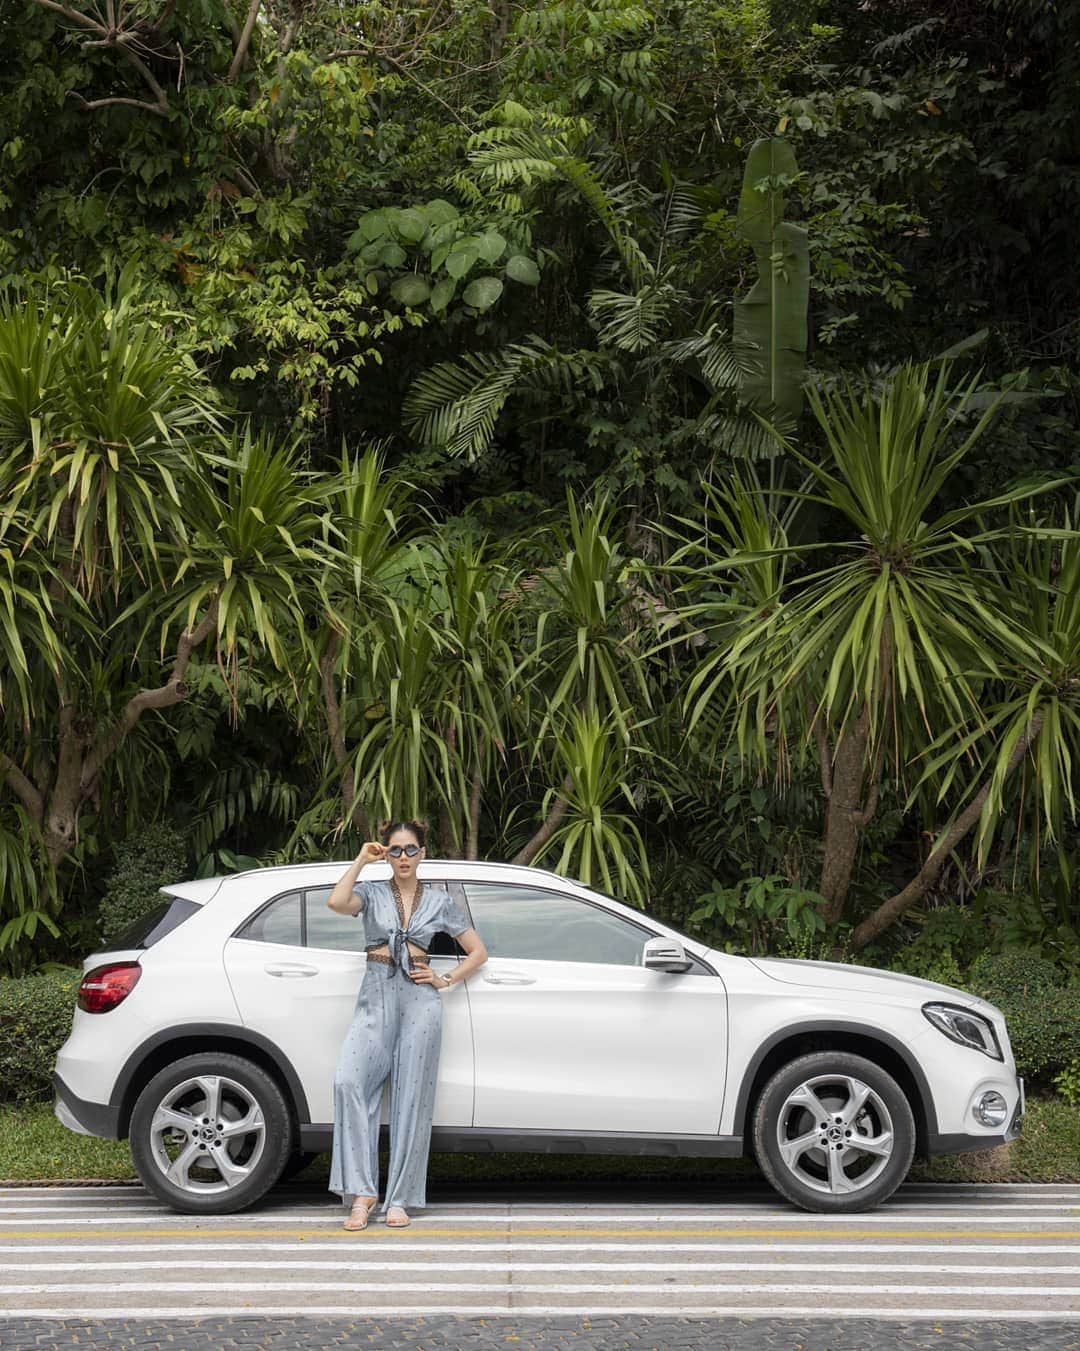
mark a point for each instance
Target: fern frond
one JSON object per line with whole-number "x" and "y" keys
{"x": 523, "y": 154}
{"x": 720, "y": 363}
{"x": 457, "y": 404}
{"x": 687, "y": 206}
{"x": 632, "y": 323}
{"x": 736, "y": 435}
{"x": 893, "y": 43}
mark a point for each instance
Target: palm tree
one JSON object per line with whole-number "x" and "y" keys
{"x": 866, "y": 659}
{"x": 1025, "y": 743}
{"x": 136, "y": 536}
{"x": 585, "y": 698}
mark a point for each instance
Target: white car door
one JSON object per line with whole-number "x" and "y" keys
{"x": 295, "y": 969}
{"x": 571, "y": 1032}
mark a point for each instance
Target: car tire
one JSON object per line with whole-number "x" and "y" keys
{"x": 834, "y": 1133}
{"x": 296, "y": 1163}
{"x": 210, "y": 1134}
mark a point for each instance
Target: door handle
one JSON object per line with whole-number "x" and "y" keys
{"x": 509, "y": 980}
{"x": 290, "y": 969}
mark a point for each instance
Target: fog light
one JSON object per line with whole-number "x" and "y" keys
{"x": 991, "y": 1110}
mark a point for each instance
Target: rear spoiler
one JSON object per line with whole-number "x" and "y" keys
{"x": 200, "y": 891}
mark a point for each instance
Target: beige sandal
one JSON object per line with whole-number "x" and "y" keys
{"x": 397, "y": 1224}
{"x": 359, "y": 1214}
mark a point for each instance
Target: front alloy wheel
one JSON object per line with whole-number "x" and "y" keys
{"x": 834, "y": 1133}
{"x": 210, "y": 1134}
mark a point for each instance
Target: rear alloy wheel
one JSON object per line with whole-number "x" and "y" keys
{"x": 834, "y": 1133}
{"x": 210, "y": 1134}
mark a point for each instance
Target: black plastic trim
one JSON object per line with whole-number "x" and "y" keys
{"x": 491, "y": 1140}
{"x": 182, "y": 1031}
{"x": 856, "y": 1029}
{"x": 962, "y": 1143}
{"x": 100, "y": 1119}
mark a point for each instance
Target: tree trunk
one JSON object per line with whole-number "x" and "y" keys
{"x": 549, "y": 825}
{"x": 80, "y": 757}
{"x": 448, "y": 841}
{"x": 842, "y": 820}
{"x": 472, "y": 846}
{"x": 240, "y": 55}
{"x": 890, "y": 911}
{"x": 337, "y": 738}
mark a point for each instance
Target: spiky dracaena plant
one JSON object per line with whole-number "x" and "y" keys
{"x": 866, "y": 659}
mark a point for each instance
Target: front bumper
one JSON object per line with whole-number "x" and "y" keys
{"x": 964, "y": 1143}
{"x": 82, "y": 1117}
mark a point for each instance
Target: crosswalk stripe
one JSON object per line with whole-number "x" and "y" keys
{"x": 816, "y": 1311}
{"x": 331, "y": 1215}
{"x": 137, "y": 1213}
{"x": 343, "y": 1286}
{"x": 1003, "y": 1189}
{"x": 82, "y": 1232}
{"x": 379, "y": 1263}
{"x": 377, "y": 1244}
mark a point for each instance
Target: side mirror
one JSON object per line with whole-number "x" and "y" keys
{"x": 665, "y": 954}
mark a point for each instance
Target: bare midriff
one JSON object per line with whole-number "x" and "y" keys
{"x": 381, "y": 953}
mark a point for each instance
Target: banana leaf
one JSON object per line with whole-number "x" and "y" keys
{"x": 770, "y": 322}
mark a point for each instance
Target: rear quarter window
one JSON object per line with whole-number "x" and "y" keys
{"x": 156, "y": 924}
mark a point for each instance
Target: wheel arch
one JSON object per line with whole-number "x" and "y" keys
{"x": 165, "y": 1048}
{"x": 871, "y": 1043}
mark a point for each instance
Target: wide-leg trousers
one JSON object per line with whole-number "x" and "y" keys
{"x": 396, "y": 1031}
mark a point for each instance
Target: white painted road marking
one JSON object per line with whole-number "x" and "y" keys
{"x": 121, "y": 1255}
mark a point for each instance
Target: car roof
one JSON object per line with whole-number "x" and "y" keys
{"x": 446, "y": 868}
{"x": 440, "y": 869}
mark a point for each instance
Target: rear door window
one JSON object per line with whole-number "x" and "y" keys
{"x": 279, "y": 922}
{"x": 325, "y": 928}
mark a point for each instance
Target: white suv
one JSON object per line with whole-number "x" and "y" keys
{"x": 209, "y": 1038}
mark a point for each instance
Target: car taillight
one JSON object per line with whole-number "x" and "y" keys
{"x": 106, "y": 986}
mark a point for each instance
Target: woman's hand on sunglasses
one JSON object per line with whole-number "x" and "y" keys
{"x": 372, "y": 852}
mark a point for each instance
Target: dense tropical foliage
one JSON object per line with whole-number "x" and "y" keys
{"x": 641, "y": 437}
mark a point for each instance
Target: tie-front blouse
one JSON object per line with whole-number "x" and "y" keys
{"x": 434, "y": 912}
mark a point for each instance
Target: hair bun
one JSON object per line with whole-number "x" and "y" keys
{"x": 417, "y": 826}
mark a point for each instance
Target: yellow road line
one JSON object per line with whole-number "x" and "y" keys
{"x": 422, "y": 1231}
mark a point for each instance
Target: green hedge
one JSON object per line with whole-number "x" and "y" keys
{"x": 35, "y": 1019}
{"x": 1042, "y": 1012}
{"x": 151, "y": 859}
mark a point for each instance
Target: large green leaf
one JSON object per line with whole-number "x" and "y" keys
{"x": 483, "y": 292}
{"x": 522, "y": 269}
{"x": 411, "y": 290}
{"x": 770, "y": 322}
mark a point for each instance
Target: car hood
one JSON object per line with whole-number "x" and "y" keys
{"x": 839, "y": 976}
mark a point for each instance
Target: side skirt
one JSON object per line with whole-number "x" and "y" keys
{"x": 486, "y": 1140}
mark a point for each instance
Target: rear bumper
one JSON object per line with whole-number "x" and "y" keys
{"x": 82, "y": 1117}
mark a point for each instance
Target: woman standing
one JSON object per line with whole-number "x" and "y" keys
{"x": 397, "y": 1025}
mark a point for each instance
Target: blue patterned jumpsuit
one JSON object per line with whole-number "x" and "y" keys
{"x": 397, "y": 1031}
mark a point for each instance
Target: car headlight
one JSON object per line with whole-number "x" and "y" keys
{"x": 969, "y": 1029}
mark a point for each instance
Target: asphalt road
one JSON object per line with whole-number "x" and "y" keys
{"x": 101, "y": 1264}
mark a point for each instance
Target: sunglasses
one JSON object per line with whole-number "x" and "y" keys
{"x": 409, "y": 850}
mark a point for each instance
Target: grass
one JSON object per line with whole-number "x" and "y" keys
{"x": 1048, "y": 1150}
{"x": 35, "y": 1147}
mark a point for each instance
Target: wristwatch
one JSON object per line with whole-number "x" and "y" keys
{"x": 446, "y": 981}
